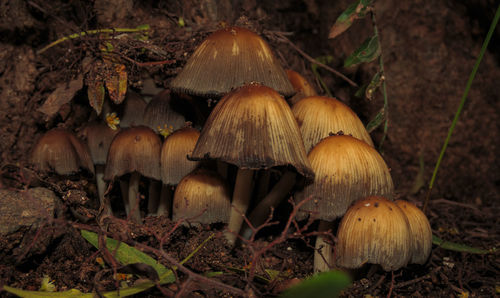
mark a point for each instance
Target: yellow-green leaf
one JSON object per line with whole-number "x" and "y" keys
{"x": 368, "y": 51}
{"x": 96, "y": 93}
{"x": 116, "y": 82}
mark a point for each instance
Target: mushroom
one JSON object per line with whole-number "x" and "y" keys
{"x": 61, "y": 151}
{"x": 99, "y": 137}
{"x": 203, "y": 197}
{"x": 162, "y": 113}
{"x": 252, "y": 128}
{"x": 229, "y": 58}
{"x": 374, "y": 230}
{"x": 129, "y": 112}
{"x": 420, "y": 230}
{"x": 174, "y": 163}
{"x": 347, "y": 170}
{"x": 134, "y": 151}
{"x": 300, "y": 85}
{"x": 319, "y": 116}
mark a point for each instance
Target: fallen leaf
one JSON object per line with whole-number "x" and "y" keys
{"x": 63, "y": 94}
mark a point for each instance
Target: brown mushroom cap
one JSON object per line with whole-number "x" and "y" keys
{"x": 160, "y": 112}
{"x": 300, "y": 85}
{"x": 174, "y": 152}
{"x": 199, "y": 191}
{"x": 99, "y": 137}
{"x": 229, "y": 58}
{"x": 61, "y": 151}
{"x": 421, "y": 232}
{"x": 347, "y": 170}
{"x": 374, "y": 230}
{"x": 130, "y": 111}
{"x": 319, "y": 116}
{"x": 253, "y": 128}
{"x": 134, "y": 149}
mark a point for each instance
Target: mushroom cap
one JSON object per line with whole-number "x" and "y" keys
{"x": 61, "y": 151}
{"x": 130, "y": 111}
{"x": 319, "y": 116}
{"x": 99, "y": 137}
{"x": 174, "y": 152}
{"x": 198, "y": 191}
{"x": 374, "y": 230}
{"x": 347, "y": 170}
{"x": 229, "y": 58}
{"x": 253, "y": 128}
{"x": 421, "y": 232}
{"x": 300, "y": 85}
{"x": 161, "y": 111}
{"x": 134, "y": 149}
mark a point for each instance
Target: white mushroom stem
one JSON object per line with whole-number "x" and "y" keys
{"x": 324, "y": 257}
{"x": 165, "y": 206}
{"x": 241, "y": 199}
{"x": 133, "y": 197}
{"x": 154, "y": 196}
{"x": 101, "y": 188}
{"x": 263, "y": 210}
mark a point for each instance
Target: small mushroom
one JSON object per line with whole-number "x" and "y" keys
{"x": 230, "y": 58}
{"x": 203, "y": 197}
{"x": 174, "y": 163}
{"x": 61, "y": 151}
{"x": 162, "y": 113}
{"x": 374, "y": 230}
{"x": 134, "y": 151}
{"x": 300, "y": 85}
{"x": 99, "y": 137}
{"x": 420, "y": 230}
{"x": 320, "y": 116}
{"x": 130, "y": 111}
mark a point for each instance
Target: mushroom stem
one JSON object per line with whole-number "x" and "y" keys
{"x": 262, "y": 211}
{"x": 241, "y": 199}
{"x": 133, "y": 197}
{"x": 154, "y": 196}
{"x": 222, "y": 169}
{"x": 165, "y": 206}
{"x": 324, "y": 257}
{"x": 101, "y": 188}
{"x": 124, "y": 191}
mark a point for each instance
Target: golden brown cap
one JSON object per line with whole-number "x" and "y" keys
{"x": 174, "y": 152}
{"x": 99, "y": 137}
{"x": 374, "y": 230}
{"x": 134, "y": 149}
{"x": 61, "y": 151}
{"x": 229, "y": 58}
{"x": 300, "y": 85}
{"x": 347, "y": 170}
{"x": 253, "y": 128}
{"x": 320, "y": 116}
{"x": 203, "y": 196}
{"x": 421, "y": 232}
{"x": 161, "y": 112}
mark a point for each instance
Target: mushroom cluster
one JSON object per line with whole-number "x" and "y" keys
{"x": 268, "y": 131}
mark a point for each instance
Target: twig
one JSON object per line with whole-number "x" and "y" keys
{"x": 418, "y": 279}
{"x": 283, "y": 38}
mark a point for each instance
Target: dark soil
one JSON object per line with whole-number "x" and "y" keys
{"x": 429, "y": 49}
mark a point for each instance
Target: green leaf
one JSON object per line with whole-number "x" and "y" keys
{"x": 326, "y": 284}
{"x": 367, "y": 52}
{"x": 126, "y": 254}
{"x": 356, "y": 10}
{"x": 96, "y": 93}
{"x": 375, "y": 83}
{"x": 376, "y": 121}
{"x": 459, "y": 247}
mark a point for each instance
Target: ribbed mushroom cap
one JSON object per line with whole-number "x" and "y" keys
{"x": 61, "y": 151}
{"x": 134, "y": 149}
{"x": 174, "y": 152}
{"x": 319, "y": 116}
{"x": 253, "y": 128}
{"x": 199, "y": 191}
{"x": 130, "y": 111}
{"x": 227, "y": 59}
{"x": 347, "y": 170}
{"x": 161, "y": 112}
{"x": 421, "y": 232}
{"x": 99, "y": 137}
{"x": 300, "y": 85}
{"x": 374, "y": 230}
